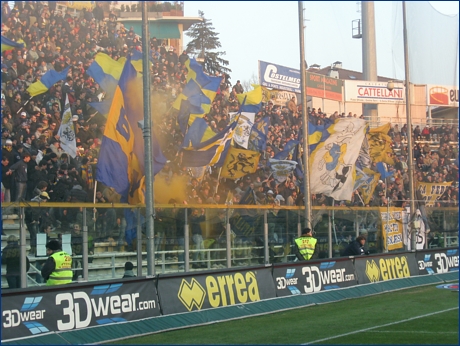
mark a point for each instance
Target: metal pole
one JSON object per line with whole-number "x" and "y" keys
{"x": 228, "y": 237}
{"x": 410, "y": 156}
{"x": 147, "y": 131}
{"x": 22, "y": 248}
{"x": 266, "y": 254}
{"x": 369, "y": 55}
{"x": 186, "y": 243}
{"x": 139, "y": 242}
{"x": 306, "y": 156}
{"x": 329, "y": 234}
{"x": 85, "y": 247}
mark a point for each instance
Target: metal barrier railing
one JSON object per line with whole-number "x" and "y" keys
{"x": 232, "y": 235}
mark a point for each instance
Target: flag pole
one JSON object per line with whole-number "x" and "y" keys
{"x": 306, "y": 157}
{"x": 147, "y": 131}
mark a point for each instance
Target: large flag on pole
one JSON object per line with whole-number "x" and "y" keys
{"x": 121, "y": 159}
{"x": 67, "y": 131}
{"x": 333, "y": 161}
{"x": 47, "y": 81}
{"x": 211, "y": 152}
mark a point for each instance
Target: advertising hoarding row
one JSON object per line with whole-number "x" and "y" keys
{"x": 33, "y": 312}
{"x": 288, "y": 79}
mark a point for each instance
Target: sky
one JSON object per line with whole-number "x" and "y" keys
{"x": 250, "y": 31}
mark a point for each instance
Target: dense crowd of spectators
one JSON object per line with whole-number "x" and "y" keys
{"x": 34, "y": 167}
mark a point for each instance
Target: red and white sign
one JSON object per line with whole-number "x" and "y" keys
{"x": 374, "y": 92}
{"x": 442, "y": 95}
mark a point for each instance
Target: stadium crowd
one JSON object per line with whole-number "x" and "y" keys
{"x": 35, "y": 168}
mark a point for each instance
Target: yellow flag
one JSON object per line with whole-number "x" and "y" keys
{"x": 380, "y": 145}
{"x": 240, "y": 162}
{"x": 253, "y": 97}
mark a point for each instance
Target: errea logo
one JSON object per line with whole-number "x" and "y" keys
{"x": 372, "y": 271}
{"x": 191, "y": 294}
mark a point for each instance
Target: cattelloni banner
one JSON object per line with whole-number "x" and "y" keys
{"x": 437, "y": 261}
{"x": 30, "y": 313}
{"x": 212, "y": 290}
{"x": 309, "y": 277}
{"x": 392, "y": 227}
{"x": 385, "y": 267}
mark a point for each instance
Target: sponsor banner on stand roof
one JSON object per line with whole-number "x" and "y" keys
{"x": 288, "y": 79}
{"x": 309, "y": 277}
{"x": 212, "y": 290}
{"x": 374, "y": 92}
{"x": 387, "y": 267}
{"x": 33, "y": 312}
{"x": 442, "y": 95}
{"x": 437, "y": 261}
{"x": 324, "y": 87}
{"x": 279, "y": 77}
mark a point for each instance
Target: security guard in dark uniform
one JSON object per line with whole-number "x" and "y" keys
{"x": 57, "y": 269}
{"x": 305, "y": 245}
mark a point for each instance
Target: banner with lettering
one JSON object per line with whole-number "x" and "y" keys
{"x": 200, "y": 291}
{"x": 374, "y": 92}
{"x": 278, "y": 97}
{"x": 324, "y": 87}
{"x": 309, "y": 277}
{"x": 392, "y": 227}
{"x": 76, "y": 306}
{"x": 431, "y": 192}
{"x": 286, "y": 78}
{"x": 442, "y": 95}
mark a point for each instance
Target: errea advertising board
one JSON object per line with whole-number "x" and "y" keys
{"x": 387, "y": 267}
{"x": 211, "y": 290}
{"x": 374, "y": 92}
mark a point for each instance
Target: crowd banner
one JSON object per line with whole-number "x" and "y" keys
{"x": 76, "y": 306}
{"x": 288, "y": 79}
{"x": 278, "y": 97}
{"x": 374, "y": 92}
{"x": 437, "y": 261}
{"x": 431, "y": 192}
{"x": 385, "y": 267}
{"x": 201, "y": 291}
{"x": 392, "y": 227}
{"x": 309, "y": 277}
{"x": 442, "y": 95}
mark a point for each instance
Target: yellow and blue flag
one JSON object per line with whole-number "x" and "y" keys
{"x": 47, "y": 81}
{"x": 211, "y": 152}
{"x": 318, "y": 133}
{"x": 258, "y": 137}
{"x": 8, "y": 44}
{"x": 208, "y": 84}
{"x": 136, "y": 60}
{"x": 288, "y": 150}
{"x": 251, "y": 101}
{"x": 199, "y": 85}
{"x": 106, "y": 72}
{"x": 121, "y": 159}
